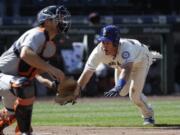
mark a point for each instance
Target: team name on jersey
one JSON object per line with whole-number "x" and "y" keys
{"x": 114, "y": 63}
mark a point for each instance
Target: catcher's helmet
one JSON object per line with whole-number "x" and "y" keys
{"x": 58, "y": 13}
{"x": 110, "y": 33}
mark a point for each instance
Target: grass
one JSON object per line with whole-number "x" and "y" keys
{"x": 105, "y": 112}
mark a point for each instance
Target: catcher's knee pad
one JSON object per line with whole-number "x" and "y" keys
{"x": 6, "y": 119}
{"x": 22, "y": 88}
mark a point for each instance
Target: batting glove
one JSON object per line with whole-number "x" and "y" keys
{"x": 115, "y": 91}
{"x": 112, "y": 93}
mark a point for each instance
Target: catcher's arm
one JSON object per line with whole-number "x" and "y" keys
{"x": 82, "y": 81}
{"x": 44, "y": 81}
{"x": 30, "y": 57}
{"x": 48, "y": 83}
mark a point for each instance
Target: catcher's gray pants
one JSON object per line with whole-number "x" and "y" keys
{"x": 8, "y": 98}
{"x": 135, "y": 84}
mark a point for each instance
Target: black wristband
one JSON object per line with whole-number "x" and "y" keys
{"x": 55, "y": 84}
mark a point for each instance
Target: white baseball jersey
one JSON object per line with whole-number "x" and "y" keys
{"x": 34, "y": 39}
{"x": 129, "y": 50}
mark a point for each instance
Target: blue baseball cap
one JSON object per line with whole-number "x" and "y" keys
{"x": 110, "y": 33}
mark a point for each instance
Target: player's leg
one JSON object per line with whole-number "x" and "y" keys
{"x": 136, "y": 95}
{"x": 116, "y": 75}
{"x": 23, "y": 105}
{"x": 7, "y": 114}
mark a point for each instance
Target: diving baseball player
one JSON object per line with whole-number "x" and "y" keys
{"x": 131, "y": 60}
{"x": 24, "y": 61}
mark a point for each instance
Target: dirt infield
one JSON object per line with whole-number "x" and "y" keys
{"x": 58, "y": 130}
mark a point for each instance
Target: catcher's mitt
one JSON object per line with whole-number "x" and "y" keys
{"x": 65, "y": 92}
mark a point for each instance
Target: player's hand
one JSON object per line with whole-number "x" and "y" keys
{"x": 112, "y": 93}
{"x": 117, "y": 88}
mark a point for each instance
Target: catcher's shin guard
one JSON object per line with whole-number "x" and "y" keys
{"x": 6, "y": 119}
{"x": 23, "y": 89}
{"x": 23, "y": 116}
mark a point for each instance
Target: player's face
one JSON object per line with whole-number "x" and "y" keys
{"x": 55, "y": 26}
{"x": 108, "y": 48}
{"x": 51, "y": 26}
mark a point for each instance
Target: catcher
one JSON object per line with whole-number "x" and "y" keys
{"x": 24, "y": 61}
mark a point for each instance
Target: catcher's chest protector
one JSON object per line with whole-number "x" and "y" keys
{"x": 47, "y": 52}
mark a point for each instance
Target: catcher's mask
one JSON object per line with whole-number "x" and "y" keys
{"x": 57, "y": 13}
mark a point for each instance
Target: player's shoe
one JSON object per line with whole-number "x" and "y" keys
{"x": 149, "y": 121}
{"x": 18, "y": 132}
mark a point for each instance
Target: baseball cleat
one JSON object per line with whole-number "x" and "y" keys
{"x": 149, "y": 121}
